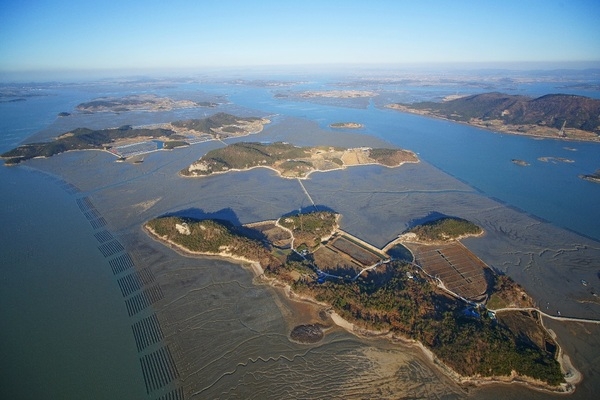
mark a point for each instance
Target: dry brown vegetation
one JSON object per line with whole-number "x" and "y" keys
{"x": 553, "y": 115}
{"x": 293, "y": 161}
{"x": 395, "y": 297}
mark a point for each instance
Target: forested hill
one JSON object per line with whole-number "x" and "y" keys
{"x": 551, "y": 110}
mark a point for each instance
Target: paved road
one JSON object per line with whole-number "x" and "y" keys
{"x": 572, "y": 319}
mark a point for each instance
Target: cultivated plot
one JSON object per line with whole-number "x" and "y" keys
{"x": 459, "y": 269}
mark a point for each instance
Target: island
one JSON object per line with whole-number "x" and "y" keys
{"x": 127, "y": 141}
{"x": 339, "y": 94}
{"x": 595, "y": 177}
{"x": 424, "y": 289}
{"x": 291, "y": 161}
{"x": 555, "y": 160}
{"x": 553, "y": 115}
{"x": 145, "y": 102}
{"x": 346, "y": 125}
{"x": 521, "y": 163}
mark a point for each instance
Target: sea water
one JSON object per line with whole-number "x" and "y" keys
{"x": 69, "y": 335}
{"x": 550, "y": 190}
{"x": 65, "y": 331}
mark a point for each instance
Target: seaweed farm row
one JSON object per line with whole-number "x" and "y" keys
{"x": 140, "y": 291}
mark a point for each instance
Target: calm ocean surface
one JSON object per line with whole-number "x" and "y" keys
{"x": 66, "y": 333}
{"x": 549, "y": 190}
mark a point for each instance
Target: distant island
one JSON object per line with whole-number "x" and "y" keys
{"x": 126, "y": 140}
{"x": 521, "y": 163}
{"x": 555, "y": 160}
{"x": 407, "y": 295}
{"x": 347, "y": 125}
{"x": 146, "y": 102}
{"x": 595, "y": 177}
{"x": 340, "y": 94}
{"x": 554, "y": 115}
{"x": 291, "y": 161}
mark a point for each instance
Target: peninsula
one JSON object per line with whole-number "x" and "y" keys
{"x": 291, "y": 161}
{"x": 553, "y": 116}
{"x": 127, "y": 140}
{"x": 391, "y": 292}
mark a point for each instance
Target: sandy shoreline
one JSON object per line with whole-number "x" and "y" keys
{"x": 531, "y": 252}
{"x": 412, "y": 238}
{"x": 304, "y": 177}
{"x": 255, "y": 266}
{"x": 573, "y": 377}
{"x": 476, "y": 381}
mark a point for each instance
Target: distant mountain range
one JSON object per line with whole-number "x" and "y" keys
{"x": 562, "y": 112}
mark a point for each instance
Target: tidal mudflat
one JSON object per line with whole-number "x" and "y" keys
{"x": 230, "y": 337}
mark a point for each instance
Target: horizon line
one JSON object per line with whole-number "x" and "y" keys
{"x": 53, "y": 74}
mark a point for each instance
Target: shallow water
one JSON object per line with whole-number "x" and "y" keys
{"x": 228, "y": 336}
{"x": 220, "y": 327}
{"x": 552, "y": 191}
{"x": 65, "y": 331}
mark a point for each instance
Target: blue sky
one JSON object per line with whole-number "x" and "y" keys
{"x": 99, "y": 35}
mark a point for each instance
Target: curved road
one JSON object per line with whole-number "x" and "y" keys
{"x": 572, "y": 319}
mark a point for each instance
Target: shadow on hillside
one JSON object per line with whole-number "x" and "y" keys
{"x": 225, "y": 214}
{"x": 432, "y": 216}
{"x": 309, "y": 209}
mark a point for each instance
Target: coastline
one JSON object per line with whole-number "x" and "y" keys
{"x": 464, "y": 381}
{"x": 304, "y": 177}
{"x": 100, "y": 178}
{"x": 256, "y": 126}
{"x": 256, "y": 267}
{"x": 500, "y": 130}
{"x": 412, "y": 238}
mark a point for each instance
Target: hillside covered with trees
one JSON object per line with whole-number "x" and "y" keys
{"x": 82, "y": 139}
{"x": 395, "y": 297}
{"x": 292, "y": 161}
{"x": 444, "y": 229}
{"x": 566, "y": 115}
{"x": 174, "y": 134}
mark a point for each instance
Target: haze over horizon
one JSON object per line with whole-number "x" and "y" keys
{"x": 66, "y": 36}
